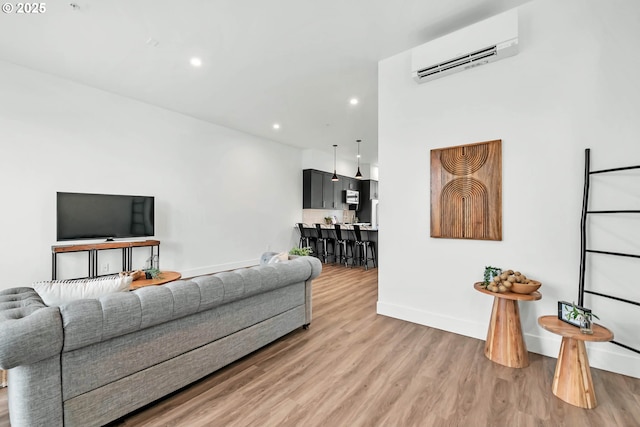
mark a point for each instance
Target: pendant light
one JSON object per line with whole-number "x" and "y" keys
{"x": 334, "y": 178}
{"x": 358, "y": 174}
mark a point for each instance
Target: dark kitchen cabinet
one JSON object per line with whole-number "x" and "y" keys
{"x": 319, "y": 192}
{"x": 312, "y": 189}
{"x": 349, "y": 183}
{"x": 338, "y": 198}
{"x": 328, "y": 190}
{"x": 369, "y": 190}
{"x": 373, "y": 189}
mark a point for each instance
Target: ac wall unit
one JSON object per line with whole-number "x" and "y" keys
{"x": 481, "y": 43}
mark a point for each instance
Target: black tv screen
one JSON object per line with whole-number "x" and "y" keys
{"x": 96, "y": 216}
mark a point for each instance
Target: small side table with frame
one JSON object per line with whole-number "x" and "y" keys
{"x": 572, "y": 379}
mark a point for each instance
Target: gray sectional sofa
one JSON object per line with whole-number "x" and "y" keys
{"x": 91, "y": 361}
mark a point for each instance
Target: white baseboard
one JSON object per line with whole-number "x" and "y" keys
{"x": 601, "y": 355}
{"x": 434, "y": 320}
{"x": 201, "y": 271}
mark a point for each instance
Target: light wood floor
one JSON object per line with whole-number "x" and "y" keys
{"x": 356, "y": 368}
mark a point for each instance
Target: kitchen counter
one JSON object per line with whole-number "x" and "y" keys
{"x": 344, "y": 226}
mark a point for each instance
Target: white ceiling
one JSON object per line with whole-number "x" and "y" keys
{"x": 294, "y": 62}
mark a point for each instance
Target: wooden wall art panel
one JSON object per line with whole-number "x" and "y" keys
{"x": 466, "y": 191}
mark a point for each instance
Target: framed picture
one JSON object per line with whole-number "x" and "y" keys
{"x": 565, "y": 308}
{"x": 466, "y": 191}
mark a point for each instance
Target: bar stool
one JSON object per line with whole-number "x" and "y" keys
{"x": 344, "y": 244}
{"x": 307, "y": 237}
{"x": 364, "y": 244}
{"x": 326, "y": 239}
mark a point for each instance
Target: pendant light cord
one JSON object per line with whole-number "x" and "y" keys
{"x": 335, "y": 175}
{"x": 358, "y": 174}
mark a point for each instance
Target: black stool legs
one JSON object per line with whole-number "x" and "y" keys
{"x": 364, "y": 246}
{"x": 325, "y": 238}
{"x": 344, "y": 244}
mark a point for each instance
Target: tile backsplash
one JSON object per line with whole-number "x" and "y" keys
{"x": 313, "y": 216}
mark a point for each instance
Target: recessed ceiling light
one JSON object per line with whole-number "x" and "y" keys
{"x": 353, "y": 101}
{"x": 196, "y": 62}
{"x": 276, "y": 126}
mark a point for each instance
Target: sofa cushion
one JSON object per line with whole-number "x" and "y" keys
{"x": 186, "y": 297}
{"x": 58, "y": 292}
{"x": 211, "y": 291}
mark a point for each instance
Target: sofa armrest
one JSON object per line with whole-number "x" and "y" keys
{"x": 316, "y": 269}
{"x": 30, "y": 331}
{"x": 314, "y": 263}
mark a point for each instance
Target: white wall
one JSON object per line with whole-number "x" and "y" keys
{"x": 573, "y": 85}
{"x": 222, "y": 196}
{"x": 323, "y": 161}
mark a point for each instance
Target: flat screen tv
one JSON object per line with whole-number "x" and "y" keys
{"x": 103, "y": 216}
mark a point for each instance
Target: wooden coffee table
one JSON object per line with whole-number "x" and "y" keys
{"x": 572, "y": 380}
{"x": 165, "y": 277}
{"x": 505, "y": 344}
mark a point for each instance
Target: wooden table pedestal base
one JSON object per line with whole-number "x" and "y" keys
{"x": 505, "y": 344}
{"x": 572, "y": 380}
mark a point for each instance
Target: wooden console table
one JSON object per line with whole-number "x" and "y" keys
{"x": 572, "y": 380}
{"x": 93, "y": 248}
{"x": 505, "y": 344}
{"x": 166, "y": 277}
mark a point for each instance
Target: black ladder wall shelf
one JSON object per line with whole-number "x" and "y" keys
{"x": 583, "y": 238}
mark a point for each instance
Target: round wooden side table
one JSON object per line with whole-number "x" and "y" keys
{"x": 572, "y": 380}
{"x": 165, "y": 277}
{"x": 505, "y": 344}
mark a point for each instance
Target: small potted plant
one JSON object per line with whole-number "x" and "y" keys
{"x": 583, "y": 317}
{"x": 301, "y": 251}
{"x": 328, "y": 220}
{"x": 490, "y": 273}
{"x": 152, "y": 273}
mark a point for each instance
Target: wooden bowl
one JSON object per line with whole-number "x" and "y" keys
{"x": 525, "y": 288}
